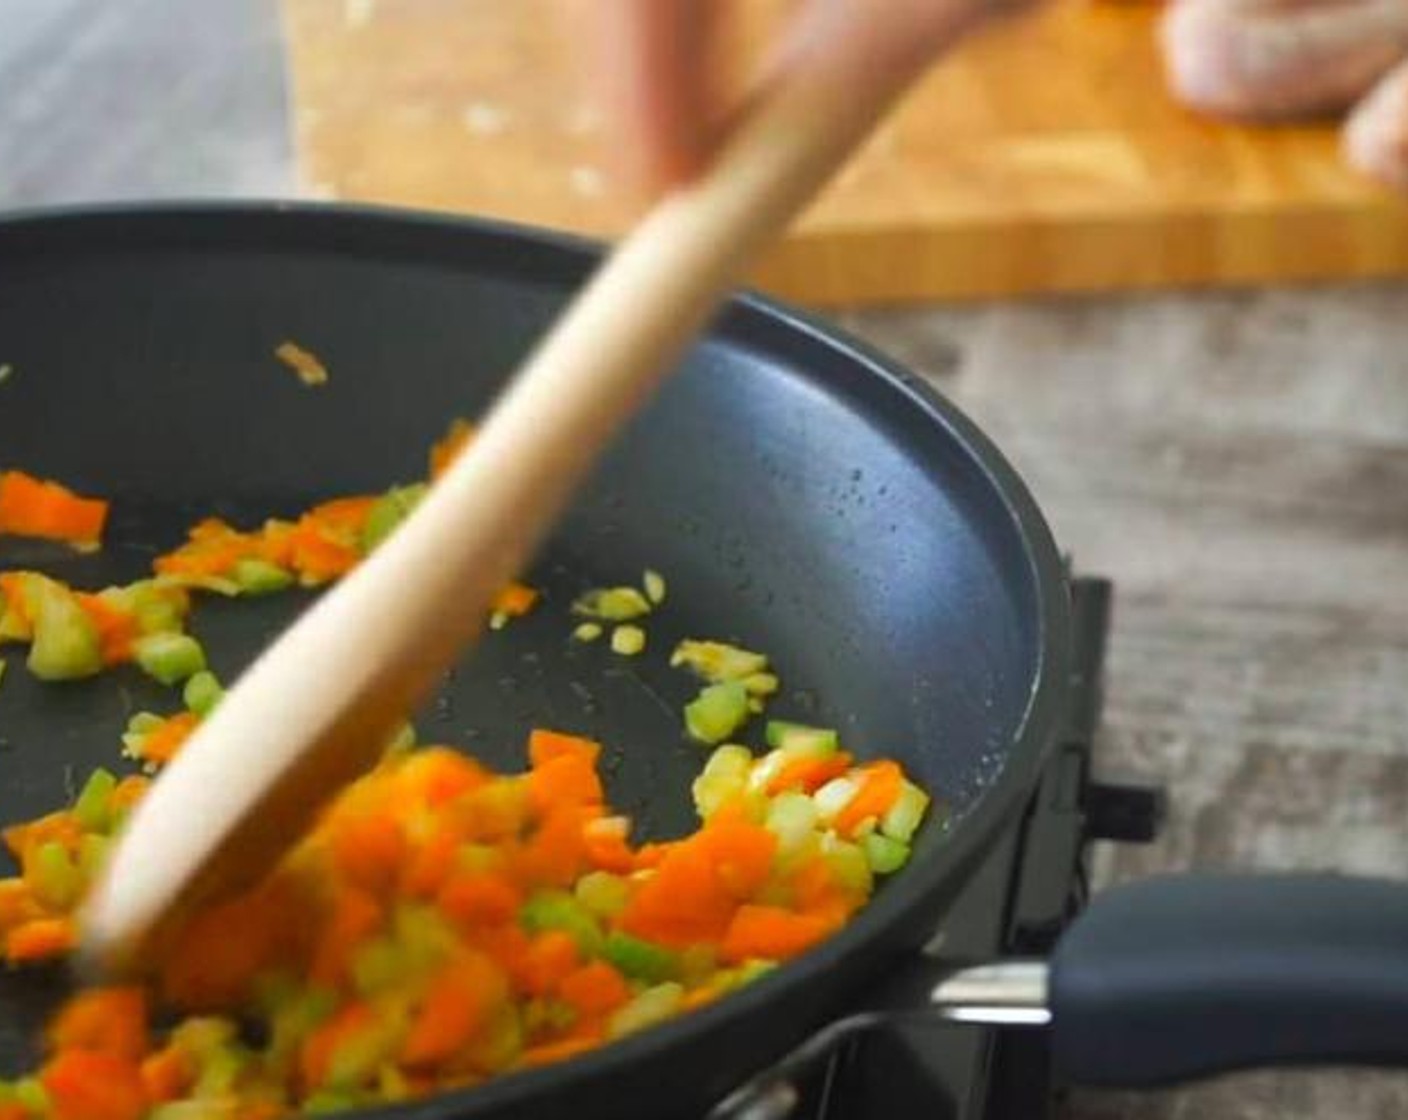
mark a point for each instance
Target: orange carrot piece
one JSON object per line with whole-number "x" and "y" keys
{"x": 17, "y": 904}
{"x": 740, "y": 852}
{"x": 40, "y": 939}
{"x": 684, "y": 903}
{"x": 546, "y": 1053}
{"x": 809, "y": 774}
{"x": 13, "y": 1110}
{"x": 129, "y": 791}
{"x": 556, "y": 854}
{"x": 457, "y": 1005}
{"x": 514, "y": 600}
{"x": 355, "y": 917}
{"x": 429, "y": 863}
{"x": 368, "y": 847}
{"x": 316, "y": 557}
{"x": 32, "y": 507}
{"x": 880, "y": 786}
{"x": 595, "y": 989}
{"x": 449, "y": 446}
{"x": 162, "y": 743}
{"x": 772, "y": 933}
{"x": 168, "y": 1074}
{"x": 108, "y": 1020}
{"x": 315, "y": 1057}
{"x": 608, "y": 848}
{"x": 544, "y": 746}
{"x": 479, "y": 899}
{"x": 89, "y": 1085}
{"x": 59, "y": 827}
{"x": 344, "y": 516}
{"x": 117, "y": 630}
{"x": 436, "y": 775}
{"x": 552, "y": 957}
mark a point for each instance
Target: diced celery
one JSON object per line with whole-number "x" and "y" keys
{"x": 884, "y": 855}
{"x": 724, "y": 776}
{"x": 16, "y": 619}
{"x": 760, "y": 685}
{"x": 424, "y": 936}
{"x": 202, "y": 692}
{"x": 297, "y": 1017}
{"x": 260, "y": 577}
{"x": 380, "y": 965}
{"x": 835, "y": 795}
{"x": 654, "y": 584}
{"x": 170, "y": 658}
{"x": 356, "y": 1059}
{"x": 640, "y": 960}
{"x": 627, "y": 640}
{"x": 327, "y": 1101}
{"x": 139, "y": 727}
{"x": 612, "y": 604}
{"x": 32, "y": 1095}
{"x": 602, "y": 894}
{"x": 848, "y": 863}
{"x": 391, "y": 1084}
{"x": 561, "y": 911}
{"x": 718, "y": 661}
{"x": 205, "y": 1035}
{"x": 587, "y": 632}
{"x": 499, "y": 1045}
{"x": 91, "y": 808}
{"x": 717, "y": 712}
{"x": 53, "y": 876}
{"x": 220, "y": 1070}
{"x": 902, "y": 819}
{"x": 652, "y": 1006}
{"x": 792, "y": 818}
{"x": 66, "y": 644}
{"x": 797, "y": 738}
{"x": 159, "y": 607}
{"x": 92, "y": 854}
{"x": 390, "y": 510}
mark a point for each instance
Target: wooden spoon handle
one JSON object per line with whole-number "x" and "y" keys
{"x": 314, "y": 711}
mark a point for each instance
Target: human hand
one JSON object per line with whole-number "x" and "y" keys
{"x": 652, "y": 66}
{"x": 1280, "y": 59}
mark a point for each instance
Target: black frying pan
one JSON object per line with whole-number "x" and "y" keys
{"x": 802, "y": 495}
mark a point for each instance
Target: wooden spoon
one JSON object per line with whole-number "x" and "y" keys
{"x": 314, "y": 711}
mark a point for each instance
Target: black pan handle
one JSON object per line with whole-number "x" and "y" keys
{"x": 1175, "y": 978}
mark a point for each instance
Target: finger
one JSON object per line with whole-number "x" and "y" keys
{"x": 652, "y": 70}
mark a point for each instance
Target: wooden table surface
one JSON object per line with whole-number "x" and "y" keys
{"x": 1237, "y": 463}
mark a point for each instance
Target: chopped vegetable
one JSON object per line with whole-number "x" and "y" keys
{"x": 304, "y": 363}
{"x": 390, "y": 510}
{"x": 627, "y": 640}
{"x": 717, "y": 712}
{"x": 587, "y": 632}
{"x": 717, "y": 661}
{"x": 612, "y": 604}
{"x": 202, "y": 692}
{"x": 654, "y": 584}
{"x": 170, "y": 658}
{"x": 32, "y": 507}
{"x": 66, "y": 644}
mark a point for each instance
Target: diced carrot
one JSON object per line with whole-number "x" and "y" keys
{"x": 457, "y": 1005}
{"x": 684, "y": 903}
{"x": 508, "y": 947}
{"x": 110, "y": 1020}
{"x": 117, "y": 630}
{"x": 31, "y": 507}
{"x": 13, "y": 1110}
{"x": 547, "y": 1053}
{"x": 40, "y": 939}
{"x": 355, "y": 917}
{"x": 608, "y": 848}
{"x": 129, "y": 791}
{"x": 650, "y": 855}
{"x": 224, "y": 948}
{"x": 556, "y": 853}
{"x": 319, "y": 1048}
{"x": 545, "y": 746}
{"x": 772, "y": 933}
{"x": 168, "y": 1074}
{"x": 346, "y": 517}
{"x": 880, "y": 786}
{"x": 448, "y": 447}
{"x": 436, "y": 775}
{"x": 515, "y": 599}
{"x": 90, "y": 1085}
{"x": 565, "y": 779}
{"x": 552, "y": 956}
{"x": 17, "y": 903}
{"x": 595, "y": 989}
{"x": 163, "y": 743}
{"x": 60, "y": 828}
{"x": 429, "y": 863}
{"x": 368, "y": 847}
{"x": 316, "y": 557}
{"x": 808, "y": 773}
{"x": 741, "y": 853}
{"x": 477, "y": 899}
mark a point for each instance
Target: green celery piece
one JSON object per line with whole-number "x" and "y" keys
{"x": 66, "y": 645}
{"x": 202, "y": 692}
{"x": 799, "y": 738}
{"x": 640, "y": 960}
{"x": 91, "y": 809}
{"x": 55, "y": 878}
{"x": 884, "y": 855}
{"x": 170, "y": 658}
{"x": 259, "y": 577}
{"x": 559, "y": 910}
{"x": 654, "y": 1005}
{"x": 717, "y": 712}
{"x": 390, "y": 510}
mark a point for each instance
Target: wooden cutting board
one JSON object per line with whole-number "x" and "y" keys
{"x": 1044, "y": 157}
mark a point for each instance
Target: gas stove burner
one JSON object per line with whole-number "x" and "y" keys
{"x": 891, "y": 1060}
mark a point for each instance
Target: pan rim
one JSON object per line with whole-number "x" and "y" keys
{"x": 353, "y": 229}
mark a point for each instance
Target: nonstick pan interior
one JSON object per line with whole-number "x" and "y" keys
{"x": 797, "y": 502}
